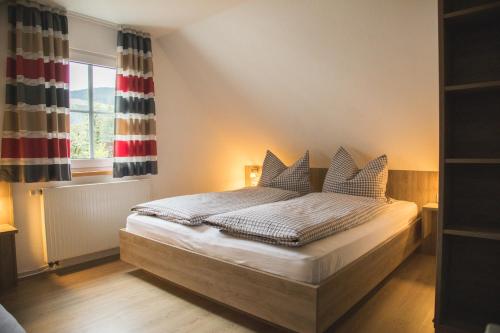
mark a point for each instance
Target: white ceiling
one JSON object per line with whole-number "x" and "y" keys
{"x": 155, "y": 16}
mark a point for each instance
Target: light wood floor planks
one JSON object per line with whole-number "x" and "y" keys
{"x": 115, "y": 297}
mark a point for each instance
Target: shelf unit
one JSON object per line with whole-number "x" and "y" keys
{"x": 488, "y": 85}
{"x": 473, "y": 13}
{"x": 468, "y": 278}
{"x": 472, "y": 161}
{"x": 484, "y": 233}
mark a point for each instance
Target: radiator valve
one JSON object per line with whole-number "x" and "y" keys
{"x": 54, "y": 264}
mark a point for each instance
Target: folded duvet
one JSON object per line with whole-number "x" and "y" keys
{"x": 299, "y": 221}
{"x": 193, "y": 209}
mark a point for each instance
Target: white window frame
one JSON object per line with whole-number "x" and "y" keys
{"x": 95, "y": 163}
{"x": 91, "y": 58}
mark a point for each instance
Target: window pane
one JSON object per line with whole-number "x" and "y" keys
{"x": 103, "y": 135}
{"x": 79, "y": 86}
{"x": 104, "y": 89}
{"x": 80, "y": 138}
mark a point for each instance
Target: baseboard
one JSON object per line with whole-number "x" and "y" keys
{"x": 33, "y": 272}
{"x": 87, "y": 258}
{"x": 77, "y": 263}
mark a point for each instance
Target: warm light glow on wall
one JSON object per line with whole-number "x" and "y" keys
{"x": 252, "y": 175}
{"x": 6, "y": 210}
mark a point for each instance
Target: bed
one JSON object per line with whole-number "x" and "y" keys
{"x": 304, "y": 289}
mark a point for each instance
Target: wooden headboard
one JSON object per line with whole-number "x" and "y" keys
{"x": 420, "y": 187}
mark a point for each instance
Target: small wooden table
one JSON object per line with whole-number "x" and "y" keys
{"x": 429, "y": 228}
{"x": 8, "y": 266}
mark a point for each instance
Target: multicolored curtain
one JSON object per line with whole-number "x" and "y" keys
{"x": 35, "y": 138}
{"x": 135, "y": 120}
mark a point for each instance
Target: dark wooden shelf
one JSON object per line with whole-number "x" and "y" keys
{"x": 457, "y": 326}
{"x": 478, "y": 86}
{"x": 474, "y": 13}
{"x": 469, "y": 224}
{"x": 472, "y": 161}
{"x": 8, "y": 266}
{"x": 484, "y": 233}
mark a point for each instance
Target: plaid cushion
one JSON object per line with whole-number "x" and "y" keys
{"x": 343, "y": 176}
{"x": 299, "y": 221}
{"x": 277, "y": 175}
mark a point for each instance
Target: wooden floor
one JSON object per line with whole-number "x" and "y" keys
{"x": 115, "y": 297}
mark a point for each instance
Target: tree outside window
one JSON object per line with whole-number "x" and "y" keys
{"x": 92, "y": 103}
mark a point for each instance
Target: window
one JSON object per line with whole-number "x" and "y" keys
{"x": 92, "y": 104}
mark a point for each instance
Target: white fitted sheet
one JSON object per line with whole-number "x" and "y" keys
{"x": 311, "y": 263}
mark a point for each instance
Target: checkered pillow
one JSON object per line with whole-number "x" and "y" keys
{"x": 343, "y": 176}
{"x": 277, "y": 175}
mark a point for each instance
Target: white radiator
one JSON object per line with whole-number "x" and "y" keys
{"x": 85, "y": 219}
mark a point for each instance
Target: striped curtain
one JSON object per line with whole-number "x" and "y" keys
{"x": 35, "y": 137}
{"x": 135, "y": 123}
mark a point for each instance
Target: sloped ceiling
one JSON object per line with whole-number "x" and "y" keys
{"x": 158, "y": 17}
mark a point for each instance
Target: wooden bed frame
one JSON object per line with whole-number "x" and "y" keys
{"x": 298, "y": 306}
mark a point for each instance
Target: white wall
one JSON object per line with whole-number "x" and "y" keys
{"x": 297, "y": 75}
{"x": 92, "y": 36}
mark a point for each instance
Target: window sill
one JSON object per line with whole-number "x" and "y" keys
{"x": 91, "y": 172}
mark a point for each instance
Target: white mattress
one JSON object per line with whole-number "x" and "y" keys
{"x": 311, "y": 263}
